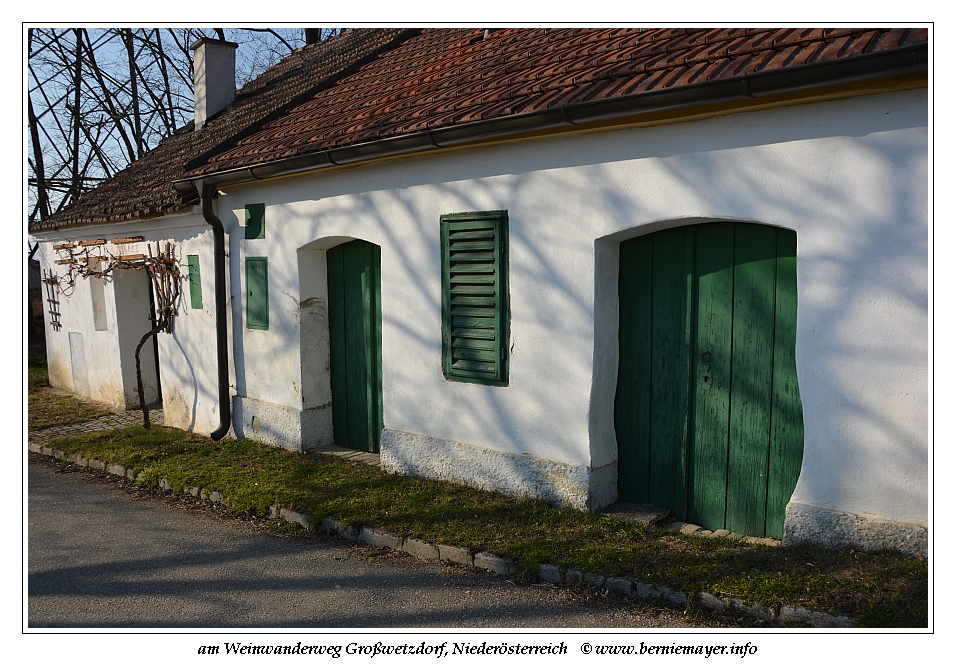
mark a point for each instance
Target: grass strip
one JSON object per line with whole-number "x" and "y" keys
{"x": 884, "y": 589}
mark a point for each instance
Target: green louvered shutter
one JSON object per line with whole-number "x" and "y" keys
{"x": 475, "y": 312}
{"x": 257, "y": 293}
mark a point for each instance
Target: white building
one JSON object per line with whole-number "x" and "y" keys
{"x": 684, "y": 267}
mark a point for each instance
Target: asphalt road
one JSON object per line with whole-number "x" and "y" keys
{"x": 103, "y": 555}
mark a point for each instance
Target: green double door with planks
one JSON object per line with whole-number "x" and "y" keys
{"x": 707, "y": 412}
{"x": 355, "y": 338}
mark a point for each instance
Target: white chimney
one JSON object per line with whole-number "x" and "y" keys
{"x": 214, "y": 73}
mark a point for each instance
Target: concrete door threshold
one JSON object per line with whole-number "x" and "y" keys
{"x": 350, "y": 454}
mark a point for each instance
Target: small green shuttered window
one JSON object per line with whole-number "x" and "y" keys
{"x": 475, "y": 309}
{"x": 257, "y": 293}
{"x": 195, "y": 283}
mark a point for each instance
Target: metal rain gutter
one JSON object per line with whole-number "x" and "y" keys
{"x": 222, "y": 340}
{"x": 747, "y": 87}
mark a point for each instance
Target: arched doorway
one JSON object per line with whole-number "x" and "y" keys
{"x": 355, "y": 344}
{"x": 707, "y": 413}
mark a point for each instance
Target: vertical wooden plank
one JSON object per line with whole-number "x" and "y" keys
{"x": 632, "y": 401}
{"x": 670, "y": 367}
{"x": 355, "y": 263}
{"x": 369, "y": 275}
{"x": 379, "y": 412}
{"x": 750, "y": 399}
{"x": 337, "y": 357}
{"x": 714, "y": 275}
{"x": 367, "y": 313}
{"x": 786, "y": 430}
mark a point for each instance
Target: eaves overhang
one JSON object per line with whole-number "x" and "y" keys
{"x": 742, "y": 89}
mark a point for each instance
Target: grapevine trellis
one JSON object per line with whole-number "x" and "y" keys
{"x": 161, "y": 267}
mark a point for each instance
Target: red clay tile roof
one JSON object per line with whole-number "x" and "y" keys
{"x": 144, "y": 189}
{"x": 445, "y": 77}
{"x": 440, "y": 78}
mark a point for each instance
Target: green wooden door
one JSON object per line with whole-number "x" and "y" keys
{"x": 355, "y": 333}
{"x": 707, "y": 412}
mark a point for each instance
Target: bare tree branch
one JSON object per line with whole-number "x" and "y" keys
{"x": 274, "y": 34}
{"x": 100, "y": 98}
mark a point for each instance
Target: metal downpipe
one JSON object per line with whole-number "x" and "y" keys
{"x": 222, "y": 341}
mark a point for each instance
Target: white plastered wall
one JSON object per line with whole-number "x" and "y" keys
{"x": 849, "y": 177}
{"x": 102, "y": 320}
{"x": 188, "y": 362}
{"x": 187, "y": 356}
{"x": 80, "y": 357}
{"x": 131, "y": 301}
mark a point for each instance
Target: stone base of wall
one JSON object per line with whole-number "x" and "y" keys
{"x": 834, "y": 529}
{"x": 280, "y": 425}
{"x": 515, "y": 475}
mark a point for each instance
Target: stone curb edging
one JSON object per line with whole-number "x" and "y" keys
{"x": 549, "y": 574}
